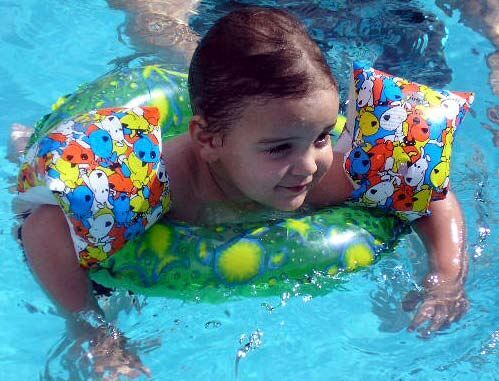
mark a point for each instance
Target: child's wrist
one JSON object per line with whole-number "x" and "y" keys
{"x": 442, "y": 283}
{"x": 92, "y": 325}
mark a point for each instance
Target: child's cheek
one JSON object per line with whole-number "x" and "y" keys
{"x": 325, "y": 163}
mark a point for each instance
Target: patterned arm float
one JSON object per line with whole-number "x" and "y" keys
{"x": 401, "y": 142}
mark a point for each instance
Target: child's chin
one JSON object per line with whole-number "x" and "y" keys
{"x": 292, "y": 205}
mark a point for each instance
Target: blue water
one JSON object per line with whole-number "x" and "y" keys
{"x": 49, "y": 47}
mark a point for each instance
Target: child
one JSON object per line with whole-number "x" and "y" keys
{"x": 264, "y": 102}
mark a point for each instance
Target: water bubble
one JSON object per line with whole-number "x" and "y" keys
{"x": 212, "y": 324}
{"x": 296, "y": 289}
{"x": 254, "y": 342}
{"x": 479, "y": 246}
{"x": 269, "y": 307}
{"x": 242, "y": 338}
{"x": 307, "y": 298}
{"x": 285, "y": 297}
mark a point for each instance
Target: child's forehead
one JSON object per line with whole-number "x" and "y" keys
{"x": 311, "y": 97}
{"x": 316, "y": 108}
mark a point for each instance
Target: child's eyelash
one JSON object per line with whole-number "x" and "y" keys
{"x": 281, "y": 149}
{"x": 324, "y": 136}
{"x": 278, "y": 149}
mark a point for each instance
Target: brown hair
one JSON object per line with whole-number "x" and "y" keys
{"x": 254, "y": 52}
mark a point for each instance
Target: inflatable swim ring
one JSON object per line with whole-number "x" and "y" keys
{"x": 210, "y": 263}
{"x": 160, "y": 86}
{"x": 213, "y": 263}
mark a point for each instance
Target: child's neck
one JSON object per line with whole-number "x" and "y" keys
{"x": 199, "y": 193}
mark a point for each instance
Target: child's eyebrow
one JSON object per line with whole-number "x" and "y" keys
{"x": 290, "y": 138}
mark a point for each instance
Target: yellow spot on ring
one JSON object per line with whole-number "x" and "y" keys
{"x": 241, "y": 261}
{"x": 358, "y": 255}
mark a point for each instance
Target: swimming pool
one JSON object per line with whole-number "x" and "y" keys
{"x": 356, "y": 332}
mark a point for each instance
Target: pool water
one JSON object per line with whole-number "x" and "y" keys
{"x": 355, "y": 332}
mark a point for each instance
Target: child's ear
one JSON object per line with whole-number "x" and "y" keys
{"x": 207, "y": 143}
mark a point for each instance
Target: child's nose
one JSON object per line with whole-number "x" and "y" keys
{"x": 305, "y": 165}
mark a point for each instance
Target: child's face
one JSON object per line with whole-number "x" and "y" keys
{"x": 278, "y": 150}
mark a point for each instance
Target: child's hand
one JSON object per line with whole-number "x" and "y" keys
{"x": 111, "y": 359}
{"x": 439, "y": 305}
{"x": 105, "y": 348}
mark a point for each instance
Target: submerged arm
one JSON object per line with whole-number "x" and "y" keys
{"x": 444, "y": 235}
{"x": 51, "y": 255}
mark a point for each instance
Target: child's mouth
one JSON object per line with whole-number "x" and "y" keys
{"x": 297, "y": 188}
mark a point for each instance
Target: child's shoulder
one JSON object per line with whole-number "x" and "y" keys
{"x": 335, "y": 187}
{"x": 184, "y": 171}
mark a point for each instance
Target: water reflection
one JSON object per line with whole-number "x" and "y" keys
{"x": 395, "y": 36}
{"x": 399, "y": 37}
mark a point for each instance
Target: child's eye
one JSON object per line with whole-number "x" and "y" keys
{"x": 322, "y": 139}
{"x": 279, "y": 150}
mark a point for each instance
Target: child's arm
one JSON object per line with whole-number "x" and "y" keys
{"x": 444, "y": 235}
{"x": 51, "y": 255}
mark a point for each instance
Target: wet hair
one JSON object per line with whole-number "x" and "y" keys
{"x": 254, "y": 53}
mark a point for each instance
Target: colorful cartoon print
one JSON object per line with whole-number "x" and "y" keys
{"x": 105, "y": 169}
{"x": 402, "y": 141}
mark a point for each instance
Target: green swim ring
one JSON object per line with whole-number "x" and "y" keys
{"x": 213, "y": 263}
